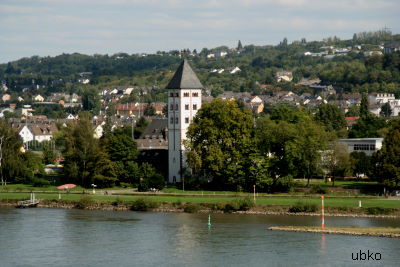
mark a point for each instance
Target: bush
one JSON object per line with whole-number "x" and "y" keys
{"x": 143, "y": 186}
{"x": 191, "y": 208}
{"x": 117, "y": 202}
{"x": 238, "y": 204}
{"x": 318, "y": 189}
{"x": 84, "y": 202}
{"x": 379, "y": 210}
{"x": 177, "y": 204}
{"x": 303, "y": 207}
{"x": 231, "y": 207}
{"x": 40, "y": 182}
{"x": 143, "y": 204}
{"x": 245, "y": 203}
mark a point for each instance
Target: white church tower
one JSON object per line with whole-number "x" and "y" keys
{"x": 184, "y": 100}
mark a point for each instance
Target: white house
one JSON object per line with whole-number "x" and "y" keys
{"x": 71, "y": 117}
{"x": 98, "y": 131}
{"x": 37, "y": 132}
{"x": 184, "y": 100}
{"x": 38, "y": 98}
{"x": 380, "y": 98}
{"x": 366, "y": 145}
{"x": 234, "y": 70}
{"x": 395, "y": 107}
{"x": 26, "y": 134}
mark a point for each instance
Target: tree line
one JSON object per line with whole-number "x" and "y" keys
{"x": 230, "y": 149}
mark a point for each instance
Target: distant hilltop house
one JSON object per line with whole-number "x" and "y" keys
{"x": 38, "y": 98}
{"x": 392, "y": 48}
{"x": 284, "y": 76}
{"x": 372, "y": 53}
{"x": 83, "y": 80}
{"x": 6, "y": 97}
{"x": 68, "y": 98}
{"x": 229, "y": 70}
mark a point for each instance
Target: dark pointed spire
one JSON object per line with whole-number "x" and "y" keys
{"x": 184, "y": 78}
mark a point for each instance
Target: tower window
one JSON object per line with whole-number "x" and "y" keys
{"x": 195, "y": 94}
{"x": 194, "y": 106}
{"x": 186, "y": 120}
{"x": 171, "y": 107}
{"x": 177, "y": 94}
{"x": 176, "y": 120}
{"x": 186, "y": 107}
{"x": 186, "y": 94}
{"x": 172, "y": 120}
{"x": 171, "y": 94}
{"x": 176, "y": 107}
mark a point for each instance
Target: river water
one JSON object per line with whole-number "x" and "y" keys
{"x": 61, "y": 237}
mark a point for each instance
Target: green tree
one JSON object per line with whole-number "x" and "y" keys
{"x": 361, "y": 163}
{"x": 149, "y": 110}
{"x": 364, "y": 106}
{"x": 90, "y": 99}
{"x": 150, "y": 178}
{"x": 336, "y": 161}
{"x": 311, "y": 139}
{"x": 387, "y": 159}
{"x": 386, "y": 110}
{"x": 239, "y": 46}
{"x": 49, "y": 155}
{"x": 218, "y": 142}
{"x": 276, "y": 138}
{"x": 367, "y": 127}
{"x": 331, "y": 116}
{"x": 85, "y": 160}
{"x": 122, "y": 151}
{"x": 10, "y": 153}
{"x": 354, "y": 111}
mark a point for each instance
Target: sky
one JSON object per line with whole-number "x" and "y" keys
{"x": 53, "y": 27}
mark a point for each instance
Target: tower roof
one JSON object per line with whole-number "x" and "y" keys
{"x": 184, "y": 78}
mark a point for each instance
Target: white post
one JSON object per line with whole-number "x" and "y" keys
{"x": 359, "y": 203}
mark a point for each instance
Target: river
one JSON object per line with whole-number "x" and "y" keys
{"x": 61, "y": 237}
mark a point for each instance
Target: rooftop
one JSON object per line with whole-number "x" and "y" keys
{"x": 184, "y": 78}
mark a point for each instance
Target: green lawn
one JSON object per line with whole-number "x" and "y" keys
{"x": 273, "y": 201}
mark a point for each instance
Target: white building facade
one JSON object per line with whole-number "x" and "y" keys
{"x": 366, "y": 145}
{"x": 184, "y": 100}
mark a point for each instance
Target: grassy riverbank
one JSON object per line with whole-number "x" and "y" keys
{"x": 264, "y": 204}
{"x": 367, "y": 231}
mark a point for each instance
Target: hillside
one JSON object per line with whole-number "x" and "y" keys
{"x": 356, "y": 65}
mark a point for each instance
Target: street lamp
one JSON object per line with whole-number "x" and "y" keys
{"x": 94, "y": 190}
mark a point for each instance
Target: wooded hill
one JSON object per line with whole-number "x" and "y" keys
{"x": 361, "y": 68}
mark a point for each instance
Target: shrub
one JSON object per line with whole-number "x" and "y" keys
{"x": 117, "y": 202}
{"x": 125, "y": 185}
{"x": 238, "y": 204}
{"x": 143, "y": 186}
{"x": 245, "y": 203}
{"x": 231, "y": 207}
{"x": 40, "y": 182}
{"x": 303, "y": 207}
{"x": 379, "y": 210}
{"x": 177, "y": 204}
{"x": 191, "y": 208}
{"x": 318, "y": 189}
{"x": 84, "y": 202}
{"x": 143, "y": 204}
